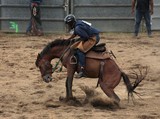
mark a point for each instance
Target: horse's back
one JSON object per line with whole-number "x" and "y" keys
{"x": 98, "y": 55}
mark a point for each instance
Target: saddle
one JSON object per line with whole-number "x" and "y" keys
{"x": 98, "y": 52}
{"x": 99, "y": 47}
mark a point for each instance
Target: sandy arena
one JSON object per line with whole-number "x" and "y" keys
{"x": 23, "y": 94}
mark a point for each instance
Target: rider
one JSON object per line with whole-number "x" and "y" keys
{"x": 89, "y": 37}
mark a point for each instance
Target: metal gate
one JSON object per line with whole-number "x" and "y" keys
{"x": 106, "y": 15}
{"x": 156, "y": 16}
{"x": 15, "y": 15}
{"x": 111, "y": 15}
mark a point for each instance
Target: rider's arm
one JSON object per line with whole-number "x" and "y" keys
{"x": 72, "y": 36}
{"x": 82, "y": 32}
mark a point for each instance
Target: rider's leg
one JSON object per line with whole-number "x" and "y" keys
{"x": 81, "y": 59}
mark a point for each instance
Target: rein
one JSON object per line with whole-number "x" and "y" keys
{"x": 57, "y": 63}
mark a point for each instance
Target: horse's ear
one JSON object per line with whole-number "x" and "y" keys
{"x": 38, "y": 57}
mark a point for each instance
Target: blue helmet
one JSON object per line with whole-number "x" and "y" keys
{"x": 70, "y": 19}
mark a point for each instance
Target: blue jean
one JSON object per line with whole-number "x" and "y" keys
{"x": 81, "y": 57}
{"x": 147, "y": 18}
{"x": 29, "y": 27}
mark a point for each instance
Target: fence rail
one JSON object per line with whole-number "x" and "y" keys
{"x": 106, "y": 15}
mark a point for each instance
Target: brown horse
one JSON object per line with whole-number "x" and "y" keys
{"x": 105, "y": 69}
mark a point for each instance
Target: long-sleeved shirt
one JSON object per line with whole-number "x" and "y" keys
{"x": 84, "y": 30}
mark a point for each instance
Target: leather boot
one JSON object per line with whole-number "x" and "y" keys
{"x": 80, "y": 74}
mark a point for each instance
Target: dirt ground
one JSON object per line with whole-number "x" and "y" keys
{"x": 23, "y": 94}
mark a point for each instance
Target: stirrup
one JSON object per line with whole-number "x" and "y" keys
{"x": 73, "y": 60}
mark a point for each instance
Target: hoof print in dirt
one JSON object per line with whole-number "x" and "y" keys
{"x": 49, "y": 105}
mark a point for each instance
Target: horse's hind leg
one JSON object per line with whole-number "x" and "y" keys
{"x": 111, "y": 77}
{"x": 110, "y": 93}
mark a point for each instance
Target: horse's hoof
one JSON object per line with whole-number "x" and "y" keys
{"x": 116, "y": 105}
{"x": 62, "y": 99}
{"x": 72, "y": 101}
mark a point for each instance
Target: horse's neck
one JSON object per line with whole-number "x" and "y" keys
{"x": 60, "y": 51}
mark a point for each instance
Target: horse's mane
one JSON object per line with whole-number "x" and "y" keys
{"x": 56, "y": 42}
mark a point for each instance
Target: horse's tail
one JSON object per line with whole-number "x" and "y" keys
{"x": 127, "y": 82}
{"x": 130, "y": 87}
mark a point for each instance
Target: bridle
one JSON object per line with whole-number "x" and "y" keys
{"x": 44, "y": 63}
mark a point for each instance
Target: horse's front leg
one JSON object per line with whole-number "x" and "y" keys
{"x": 71, "y": 69}
{"x": 69, "y": 81}
{"x": 69, "y": 94}
{"x": 69, "y": 97}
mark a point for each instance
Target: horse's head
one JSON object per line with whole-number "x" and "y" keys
{"x": 45, "y": 68}
{"x": 55, "y": 49}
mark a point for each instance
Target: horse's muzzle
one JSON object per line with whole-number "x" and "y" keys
{"x": 47, "y": 78}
